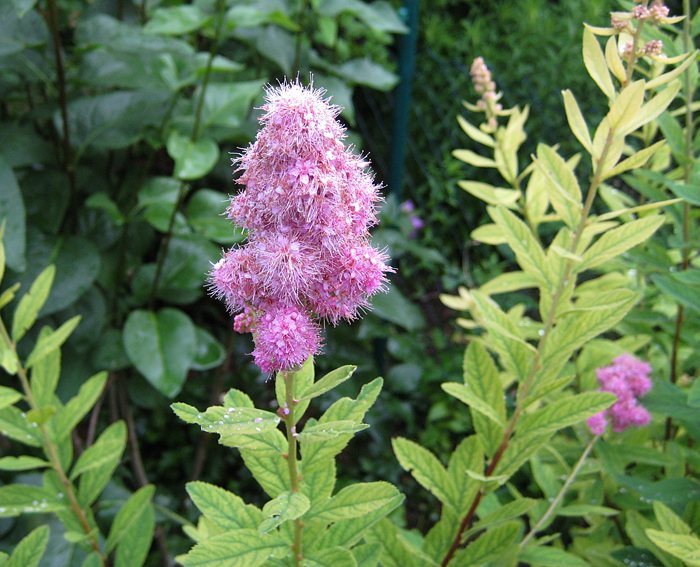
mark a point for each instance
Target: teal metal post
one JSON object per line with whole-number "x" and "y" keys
{"x": 402, "y": 97}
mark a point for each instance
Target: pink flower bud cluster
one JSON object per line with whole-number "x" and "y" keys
{"x": 627, "y": 378}
{"x": 308, "y": 205}
{"x": 486, "y": 87}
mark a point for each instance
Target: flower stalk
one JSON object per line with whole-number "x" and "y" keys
{"x": 289, "y": 422}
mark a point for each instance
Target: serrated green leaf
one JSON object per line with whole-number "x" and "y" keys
{"x": 328, "y": 382}
{"x": 22, "y": 463}
{"x": 468, "y": 456}
{"x": 133, "y": 548}
{"x": 32, "y": 302}
{"x": 356, "y": 500}
{"x": 320, "y": 431}
{"x": 551, "y": 557}
{"x": 239, "y": 548}
{"x": 16, "y": 499}
{"x": 50, "y": 342}
{"x": 396, "y": 551}
{"x": 566, "y": 412}
{"x": 562, "y": 187}
{"x": 44, "y": 375}
{"x": 424, "y": 467}
{"x": 333, "y": 557}
{"x": 490, "y": 194}
{"x": 229, "y": 423}
{"x": 110, "y": 443}
{"x": 518, "y": 453}
{"x": 518, "y": 235}
{"x": 490, "y": 545}
{"x": 467, "y": 396}
{"x": 77, "y": 407}
{"x": 635, "y": 161}
{"x": 580, "y": 510}
{"x": 685, "y": 547}
{"x": 8, "y": 396}
{"x": 30, "y": 550}
{"x": 287, "y": 506}
{"x": 669, "y": 520}
{"x": 126, "y": 519}
{"x": 223, "y": 508}
{"x": 14, "y": 424}
{"x": 618, "y": 240}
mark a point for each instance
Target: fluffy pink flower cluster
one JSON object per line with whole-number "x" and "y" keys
{"x": 308, "y": 205}
{"x": 627, "y": 378}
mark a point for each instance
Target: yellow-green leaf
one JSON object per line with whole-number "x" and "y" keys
{"x": 490, "y": 194}
{"x": 636, "y": 160}
{"x": 475, "y": 134}
{"x": 562, "y": 187}
{"x": 472, "y": 158}
{"x": 576, "y": 121}
{"x": 612, "y": 56}
{"x": 596, "y": 66}
{"x": 32, "y": 302}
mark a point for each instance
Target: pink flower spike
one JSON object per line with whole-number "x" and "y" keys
{"x": 598, "y": 423}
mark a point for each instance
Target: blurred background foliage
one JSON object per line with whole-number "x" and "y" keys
{"x": 118, "y": 119}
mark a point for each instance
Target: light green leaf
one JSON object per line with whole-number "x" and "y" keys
{"x": 425, "y": 468}
{"x": 504, "y": 513}
{"x": 673, "y": 73}
{"x": 302, "y": 379}
{"x": 287, "y": 506}
{"x": 618, "y": 240}
{"x": 481, "y": 375}
{"x": 223, "y": 508}
{"x": 97, "y": 474}
{"x": 8, "y": 396}
{"x": 576, "y": 121}
{"x": 110, "y": 443}
{"x": 475, "y": 134}
{"x": 8, "y": 295}
{"x": 133, "y": 548}
{"x": 474, "y": 159}
{"x": 51, "y": 342}
{"x": 685, "y": 547}
{"x": 580, "y": 510}
{"x": 31, "y": 303}
{"x": 490, "y": 194}
{"x": 565, "y": 412}
{"x": 193, "y": 159}
{"x": 15, "y": 425}
{"x": 594, "y": 60}
{"x": 16, "y": 499}
{"x": 489, "y": 234}
{"x": 468, "y": 456}
{"x": 356, "y": 500}
{"x": 228, "y": 422}
{"x": 30, "y": 550}
{"x": 518, "y": 453}
{"x": 126, "y": 519}
{"x": 77, "y": 407}
{"x": 653, "y": 109}
{"x": 507, "y": 282}
{"x": 328, "y": 382}
{"x": 669, "y": 520}
{"x": 333, "y": 557}
{"x": 22, "y": 463}
{"x": 626, "y": 107}
{"x": 635, "y": 161}
{"x": 467, "y": 396}
{"x": 551, "y": 557}
{"x": 562, "y": 187}
{"x": 314, "y": 431}
{"x": 44, "y": 375}
{"x": 162, "y": 346}
{"x": 612, "y": 57}
{"x": 519, "y": 237}
{"x": 239, "y": 548}
{"x": 489, "y": 546}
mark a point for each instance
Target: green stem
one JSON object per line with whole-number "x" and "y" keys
{"x": 564, "y": 489}
{"x": 196, "y": 127}
{"x": 51, "y": 16}
{"x": 290, "y": 404}
{"x": 51, "y": 452}
{"x": 632, "y": 58}
{"x": 524, "y": 388}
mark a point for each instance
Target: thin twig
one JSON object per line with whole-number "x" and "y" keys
{"x": 288, "y": 413}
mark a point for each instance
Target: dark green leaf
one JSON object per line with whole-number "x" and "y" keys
{"x": 193, "y": 159}
{"x": 12, "y": 214}
{"x": 210, "y": 352}
{"x": 176, "y": 20}
{"x": 205, "y": 213}
{"x": 162, "y": 346}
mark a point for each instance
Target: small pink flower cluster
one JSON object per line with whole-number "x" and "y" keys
{"x": 486, "y": 87}
{"x": 308, "y": 205}
{"x": 627, "y": 378}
